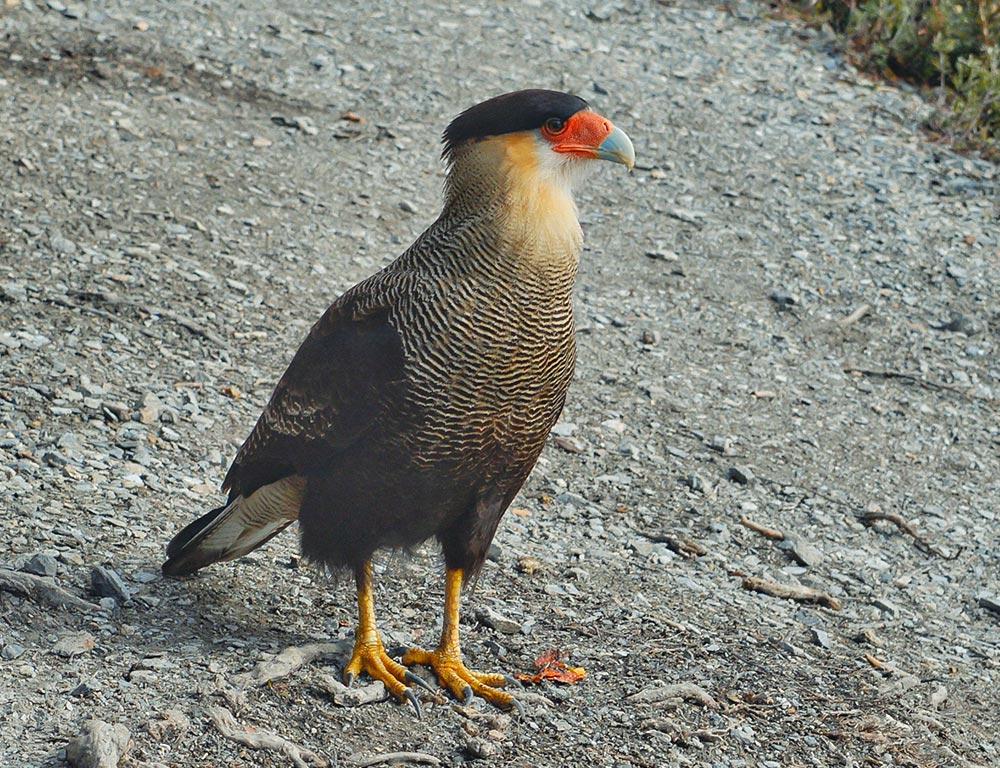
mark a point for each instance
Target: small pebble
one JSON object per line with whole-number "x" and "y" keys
{"x": 62, "y": 244}
{"x": 698, "y": 483}
{"x": 660, "y": 255}
{"x": 479, "y": 748}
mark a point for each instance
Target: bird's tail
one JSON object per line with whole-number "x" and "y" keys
{"x": 236, "y": 528}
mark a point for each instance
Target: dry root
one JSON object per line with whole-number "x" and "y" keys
{"x": 226, "y": 724}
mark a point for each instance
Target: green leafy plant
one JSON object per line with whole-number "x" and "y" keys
{"x": 976, "y": 80}
{"x": 953, "y": 45}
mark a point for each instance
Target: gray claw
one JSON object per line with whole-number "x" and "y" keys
{"x": 467, "y": 695}
{"x": 415, "y": 702}
{"x": 515, "y": 704}
{"x": 349, "y": 679}
{"x": 415, "y": 679}
{"x": 512, "y": 681}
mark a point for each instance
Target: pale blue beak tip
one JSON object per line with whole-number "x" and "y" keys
{"x": 617, "y": 147}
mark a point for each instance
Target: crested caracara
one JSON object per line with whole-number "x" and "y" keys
{"x": 421, "y": 399}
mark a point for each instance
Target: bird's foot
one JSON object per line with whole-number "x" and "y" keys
{"x": 371, "y": 657}
{"x": 463, "y": 683}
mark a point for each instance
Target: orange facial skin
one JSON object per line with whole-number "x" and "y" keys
{"x": 590, "y": 135}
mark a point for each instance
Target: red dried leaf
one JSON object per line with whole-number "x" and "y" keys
{"x": 549, "y": 667}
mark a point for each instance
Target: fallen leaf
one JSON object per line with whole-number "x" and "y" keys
{"x": 549, "y": 667}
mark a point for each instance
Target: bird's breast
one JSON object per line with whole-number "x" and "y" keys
{"x": 488, "y": 375}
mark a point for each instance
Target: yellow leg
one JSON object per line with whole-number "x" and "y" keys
{"x": 369, "y": 654}
{"x": 446, "y": 659}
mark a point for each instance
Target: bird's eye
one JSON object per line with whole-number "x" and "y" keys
{"x": 554, "y": 125}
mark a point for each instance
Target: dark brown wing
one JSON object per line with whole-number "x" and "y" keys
{"x": 347, "y": 371}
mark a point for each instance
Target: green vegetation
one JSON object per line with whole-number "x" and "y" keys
{"x": 953, "y": 45}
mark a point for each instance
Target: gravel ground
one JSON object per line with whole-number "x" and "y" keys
{"x": 788, "y": 320}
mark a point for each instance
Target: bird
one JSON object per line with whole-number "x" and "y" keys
{"x": 419, "y": 402}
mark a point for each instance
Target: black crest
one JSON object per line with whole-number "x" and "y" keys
{"x": 509, "y": 113}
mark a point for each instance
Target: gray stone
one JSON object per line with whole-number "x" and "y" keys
{"x": 11, "y": 651}
{"x": 821, "y": 637}
{"x": 58, "y": 242}
{"x": 802, "y": 552}
{"x": 990, "y": 603}
{"x": 86, "y": 688}
{"x": 739, "y": 473}
{"x": 74, "y": 644}
{"x": 99, "y": 745}
{"x": 698, "y": 483}
{"x": 41, "y": 564}
{"x": 495, "y": 620}
{"x": 105, "y": 582}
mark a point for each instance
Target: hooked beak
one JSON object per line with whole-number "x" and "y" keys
{"x": 617, "y": 147}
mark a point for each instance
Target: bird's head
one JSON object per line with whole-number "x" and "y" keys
{"x": 545, "y": 135}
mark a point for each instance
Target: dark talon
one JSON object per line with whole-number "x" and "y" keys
{"x": 410, "y": 677}
{"x": 467, "y": 695}
{"x": 515, "y": 704}
{"x": 412, "y": 698}
{"x": 349, "y": 679}
{"x": 512, "y": 681}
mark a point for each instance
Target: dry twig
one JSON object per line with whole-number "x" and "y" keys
{"x": 763, "y": 530}
{"x": 878, "y": 663}
{"x": 289, "y": 660}
{"x": 226, "y": 724}
{"x": 234, "y": 695}
{"x": 856, "y": 315}
{"x": 791, "y": 592}
{"x": 872, "y": 516}
{"x": 919, "y": 381}
{"x": 395, "y": 757}
{"x": 677, "y": 692}
{"x": 683, "y": 547}
{"x": 183, "y": 322}
{"x": 344, "y": 696}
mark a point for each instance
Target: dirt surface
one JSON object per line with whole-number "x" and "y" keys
{"x": 788, "y": 316}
